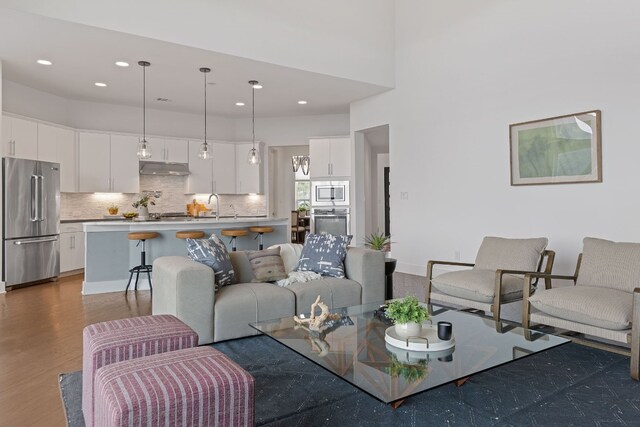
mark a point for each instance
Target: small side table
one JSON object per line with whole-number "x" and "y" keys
{"x": 389, "y": 268}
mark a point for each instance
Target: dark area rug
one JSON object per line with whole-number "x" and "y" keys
{"x": 570, "y": 385}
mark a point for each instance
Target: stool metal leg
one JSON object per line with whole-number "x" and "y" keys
{"x": 143, "y": 267}
{"x": 261, "y": 245}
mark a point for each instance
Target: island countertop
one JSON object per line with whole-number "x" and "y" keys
{"x": 109, "y": 254}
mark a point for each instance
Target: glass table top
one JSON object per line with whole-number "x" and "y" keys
{"x": 354, "y": 349}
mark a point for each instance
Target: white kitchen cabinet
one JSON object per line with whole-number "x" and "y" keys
{"x": 248, "y": 177}
{"x": 56, "y": 144}
{"x": 168, "y": 150}
{"x": 215, "y": 175}
{"x": 108, "y": 163}
{"x": 71, "y": 247}
{"x": 330, "y": 157}
{"x": 19, "y": 138}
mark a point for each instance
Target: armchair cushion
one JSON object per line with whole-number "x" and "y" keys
{"x": 477, "y": 285}
{"x": 614, "y": 265}
{"x": 596, "y": 306}
{"x": 510, "y": 254}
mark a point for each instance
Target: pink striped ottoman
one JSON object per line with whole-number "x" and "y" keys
{"x": 192, "y": 387}
{"x": 116, "y": 340}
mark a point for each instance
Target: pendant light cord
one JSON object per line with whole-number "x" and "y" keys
{"x": 205, "y": 108}
{"x": 253, "y": 115}
{"x": 144, "y": 103}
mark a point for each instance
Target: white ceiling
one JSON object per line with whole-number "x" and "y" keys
{"x": 83, "y": 55}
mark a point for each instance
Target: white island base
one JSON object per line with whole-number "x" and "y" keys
{"x": 109, "y": 254}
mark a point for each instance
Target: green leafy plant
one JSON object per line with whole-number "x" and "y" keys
{"x": 303, "y": 207}
{"x": 411, "y": 372}
{"x": 144, "y": 201}
{"x": 377, "y": 241}
{"x": 406, "y": 310}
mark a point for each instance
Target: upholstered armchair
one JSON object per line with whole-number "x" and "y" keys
{"x": 604, "y": 301}
{"x": 494, "y": 279}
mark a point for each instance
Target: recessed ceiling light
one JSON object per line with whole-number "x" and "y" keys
{"x": 100, "y": 84}
{"x": 302, "y": 102}
{"x": 44, "y": 62}
{"x": 122, "y": 64}
{"x": 240, "y": 104}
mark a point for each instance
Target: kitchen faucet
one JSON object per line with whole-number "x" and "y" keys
{"x": 217, "y": 204}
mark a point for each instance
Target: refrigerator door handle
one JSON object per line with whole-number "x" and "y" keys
{"x": 40, "y": 181}
{"x": 27, "y": 242}
{"x": 34, "y": 199}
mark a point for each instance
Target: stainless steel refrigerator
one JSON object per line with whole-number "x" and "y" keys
{"x": 31, "y": 217}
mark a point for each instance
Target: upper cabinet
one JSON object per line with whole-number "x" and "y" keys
{"x": 168, "y": 150}
{"x": 330, "y": 157}
{"x": 108, "y": 163}
{"x": 19, "y": 138}
{"x": 215, "y": 175}
{"x": 56, "y": 144}
{"x": 248, "y": 177}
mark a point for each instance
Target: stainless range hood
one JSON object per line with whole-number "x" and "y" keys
{"x": 164, "y": 168}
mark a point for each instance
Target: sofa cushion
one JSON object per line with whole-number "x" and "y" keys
{"x": 324, "y": 254}
{"x": 290, "y": 254}
{"x": 212, "y": 252}
{"x": 614, "y": 265}
{"x": 510, "y": 254}
{"x": 590, "y": 305}
{"x": 238, "y": 305}
{"x": 267, "y": 265}
{"x": 477, "y": 285}
{"x": 334, "y": 292}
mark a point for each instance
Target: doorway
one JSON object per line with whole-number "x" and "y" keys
{"x": 377, "y": 180}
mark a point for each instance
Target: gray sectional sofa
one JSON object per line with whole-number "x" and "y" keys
{"x": 185, "y": 288}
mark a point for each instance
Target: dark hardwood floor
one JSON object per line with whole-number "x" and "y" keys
{"x": 41, "y": 337}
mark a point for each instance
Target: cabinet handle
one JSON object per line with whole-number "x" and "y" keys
{"x": 328, "y": 168}
{"x": 73, "y": 242}
{"x": 13, "y": 147}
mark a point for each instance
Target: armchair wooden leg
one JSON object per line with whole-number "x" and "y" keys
{"x": 427, "y": 283}
{"x": 497, "y": 296}
{"x": 526, "y": 305}
{"x": 635, "y": 336}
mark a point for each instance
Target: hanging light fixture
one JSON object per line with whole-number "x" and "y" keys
{"x": 205, "y": 150}
{"x": 144, "y": 149}
{"x": 303, "y": 162}
{"x": 254, "y": 157}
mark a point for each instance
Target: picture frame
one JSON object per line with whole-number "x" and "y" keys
{"x": 557, "y": 150}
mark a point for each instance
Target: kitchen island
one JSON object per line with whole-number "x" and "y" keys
{"x": 109, "y": 254}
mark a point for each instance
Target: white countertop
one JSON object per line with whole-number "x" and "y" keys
{"x": 128, "y": 225}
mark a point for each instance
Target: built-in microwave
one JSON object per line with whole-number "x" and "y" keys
{"x": 330, "y": 193}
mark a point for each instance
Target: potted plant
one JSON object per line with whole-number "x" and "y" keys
{"x": 378, "y": 241}
{"x": 142, "y": 205}
{"x": 303, "y": 209}
{"x": 408, "y": 315}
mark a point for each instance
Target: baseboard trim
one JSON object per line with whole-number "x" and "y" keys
{"x": 91, "y": 288}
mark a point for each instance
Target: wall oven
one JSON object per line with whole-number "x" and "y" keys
{"x": 330, "y": 221}
{"x": 330, "y": 193}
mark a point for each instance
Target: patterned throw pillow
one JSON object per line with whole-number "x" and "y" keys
{"x": 267, "y": 265}
{"x": 324, "y": 254}
{"x": 212, "y": 252}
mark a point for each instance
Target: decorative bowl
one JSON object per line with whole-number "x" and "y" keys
{"x": 130, "y": 215}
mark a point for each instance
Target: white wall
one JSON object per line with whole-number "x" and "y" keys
{"x": 351, "y": 39}
{"x": 2, "y": 288}
{"x": 464, "y": 72}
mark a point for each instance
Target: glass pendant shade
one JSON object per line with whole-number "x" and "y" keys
{"x": 144, "y": 150}
{"x": 295, "y": 163}
{"x": 253, "y": 158}
{"x": 298, "y": 162}
{"x": 205, "y": 151}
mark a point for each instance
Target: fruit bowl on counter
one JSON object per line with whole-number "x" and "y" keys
{"x": 130, "y": 215}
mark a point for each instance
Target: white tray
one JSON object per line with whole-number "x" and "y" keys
{"x": 428, "y": 340}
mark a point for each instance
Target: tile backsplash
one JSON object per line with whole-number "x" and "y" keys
{"x": 173, "y": 199}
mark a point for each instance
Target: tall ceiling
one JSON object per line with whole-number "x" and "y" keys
{"x": 83, "y": 55}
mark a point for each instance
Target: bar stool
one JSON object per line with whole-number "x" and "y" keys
{"x": 233, "y": 233}
{"x": 260, "y": 230}
{"x": 189, "y": 234}
{"x": 142, "y": 236}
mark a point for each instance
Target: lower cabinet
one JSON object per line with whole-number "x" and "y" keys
{"x": 71, "y": 247}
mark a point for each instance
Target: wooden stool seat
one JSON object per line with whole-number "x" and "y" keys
{"x": 234, "y": 232}
{"x": 261, "y": 229}
{"x": 142, "y": 235}
{"x": 189, "y": 234}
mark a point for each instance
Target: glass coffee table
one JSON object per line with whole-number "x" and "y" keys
{"x": 354, "y": 349}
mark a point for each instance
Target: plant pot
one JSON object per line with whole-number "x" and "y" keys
{"x": 143, "y": 212}
{"x": 410, "y": 329}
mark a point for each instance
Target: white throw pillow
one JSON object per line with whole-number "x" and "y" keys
{"x": 290, "y": 254}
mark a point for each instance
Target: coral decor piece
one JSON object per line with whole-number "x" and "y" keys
{"x": 317, "y": 322}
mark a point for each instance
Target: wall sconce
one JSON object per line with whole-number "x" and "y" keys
{"x": 303, "y": 162}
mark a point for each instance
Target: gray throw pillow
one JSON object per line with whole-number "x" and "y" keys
{"x": 324, "y": 254}
{"x": 213, "y": 253}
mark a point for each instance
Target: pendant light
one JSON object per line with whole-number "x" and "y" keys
{"x": 254, "y": 156}
{"x": 303, "y": 162}
{"x": 144, "y": 149}
{"x": 205, "y": 150}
